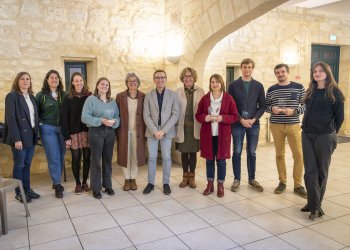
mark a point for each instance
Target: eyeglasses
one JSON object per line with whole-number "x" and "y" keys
{"x": 160, "y": 77}
{"x": 132, "y": 81}
{"x": 188, "y": 76}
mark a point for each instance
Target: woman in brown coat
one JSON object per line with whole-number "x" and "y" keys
{"x": 131, "y": 132}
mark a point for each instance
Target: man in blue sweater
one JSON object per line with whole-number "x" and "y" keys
{"x": 249, "y": 96}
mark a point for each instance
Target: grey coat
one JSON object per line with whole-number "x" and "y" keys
{"x": 169, "y": 113}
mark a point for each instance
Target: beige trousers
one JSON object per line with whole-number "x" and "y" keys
{"x": 293, "y": 134}
{"x": 130, "y": 172}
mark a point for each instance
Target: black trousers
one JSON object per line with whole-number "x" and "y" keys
{"x": 317, "y": 152}
{"x": 189, "y": 162}
{"x": 101, "y": 141}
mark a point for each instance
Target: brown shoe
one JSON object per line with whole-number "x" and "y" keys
{"x": 209, "y": 189}
{"x": 126, "y": 185}
{"x": 86, "y": 188}
{"x": 184, "y": 182}
{"x": 192, "y": 181}
{"x": 220, "y": 192}
{"x": 78, "y": 189}
{"x": 133, "y": 185}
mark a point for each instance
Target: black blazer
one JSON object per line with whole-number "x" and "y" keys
{"x": 17, "y": 120}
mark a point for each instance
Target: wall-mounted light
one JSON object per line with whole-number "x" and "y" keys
{"x": 289, "y": 52}
{"x": 173, "y": 45}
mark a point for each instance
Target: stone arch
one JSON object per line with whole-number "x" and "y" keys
{"x": 219, "y": 20}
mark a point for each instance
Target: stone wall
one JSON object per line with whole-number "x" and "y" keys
{"x": 262, "y": 40}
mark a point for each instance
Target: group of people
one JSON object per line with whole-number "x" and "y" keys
{"x": 89, "y": 124}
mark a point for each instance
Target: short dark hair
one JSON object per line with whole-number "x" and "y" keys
{"x": 248, "y": 61}
{"x": 281, "y": 65}
{"x": 159, "y": 70}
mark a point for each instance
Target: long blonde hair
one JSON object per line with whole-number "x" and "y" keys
{"x": 331, "y": 84}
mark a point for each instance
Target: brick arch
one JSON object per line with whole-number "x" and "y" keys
{"x": 217, "y": 22}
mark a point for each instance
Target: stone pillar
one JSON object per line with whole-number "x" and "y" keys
{"x": 344, "y": 84}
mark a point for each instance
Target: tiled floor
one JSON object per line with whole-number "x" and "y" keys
{"x": 186, "y": 219}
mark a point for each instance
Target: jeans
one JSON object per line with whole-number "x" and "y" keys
{"x": 317, "y": 150}
{"x": 22, "y": 160}
{"x": 55, "y": 149}
{"x": 165, "y": 145}
{"x": 238, "y": 132}
{"x": 221, "y": 164}
{"x": 101, "y": 141}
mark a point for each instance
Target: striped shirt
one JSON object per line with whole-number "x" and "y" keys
{"x": 289, "y": 96}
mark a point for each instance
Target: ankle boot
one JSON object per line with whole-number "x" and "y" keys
{"x": 126, "y": 186}
{"x": 220, "y": 192}
{"x": 210, "y": 188}
{"x": 184, "y": 182}
{"x": 192, "y": 181}
{"x": 133, "y": 185}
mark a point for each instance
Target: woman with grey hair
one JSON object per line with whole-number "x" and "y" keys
{"x": 131, "y": 132}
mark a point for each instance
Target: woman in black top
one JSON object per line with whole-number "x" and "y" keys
{"x": 75, "y": 132}
{"x": 323, "y": 118}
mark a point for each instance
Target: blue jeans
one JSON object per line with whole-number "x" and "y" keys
{"x": 221, "y": 164}
{"x": 165, "y": 145}
{"x": 22, "y": 159}
{"x": 55, "y": 149}
{"x": 238, "y": 132}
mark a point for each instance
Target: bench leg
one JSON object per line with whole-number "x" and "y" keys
{"x": 23, "y": 197}
{"x": 3, "y": 212}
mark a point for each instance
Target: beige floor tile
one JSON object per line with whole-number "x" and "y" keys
{"x": 334, "y": 210}
{"x": 335, "y": 230}
{"x": 146, "y": 231}
{"x": 307, "y": 239}
{"x": 208, "y": 238}
{"x": 51, "y": 231}
{"x": 71, "y": 243}
{"x": 228, "y": 197}
{"x": 247, "y": 208}
{"x": 247, "y": 192}
{"x": 243, "y": 231}
{"x": 131, "y": 215}
{"x": 44, "y": 202}
{"x": 117, "y": 202}
{"x": 165, "y": 208}
{"x": 15, "y": 238}
{"x": 273, "y": 202}
{"x": 183, "y": 223}
{"x": 15, "y": 207}
{"x": 155, "y": 195}
{"x": 48, "y": 214}
{"x": 343, "y": 200}
{"x": 274, "y": 223}
{"x": 70, "y": 198}
{"x": 85, "y": 208}
{"x": 113, "y": 238}
{"x": 196, "y": 201}
{"x": 172, "y": 243}
{"x": 15, "y": 221}
{"x": 296, "y": 215}
{"x": 273, "y": 243}
{"x": 344, "y": 219}
{"x": 177, "y": 192}
{"x": 93, "y": 222}
{"x": 217, "y": 215}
